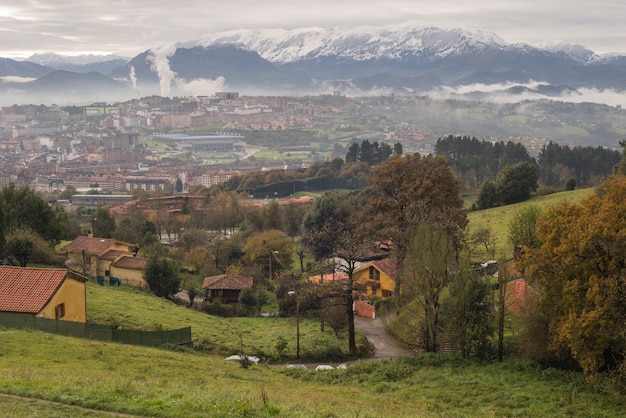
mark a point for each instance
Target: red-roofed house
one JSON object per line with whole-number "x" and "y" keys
{"x": 225, "y": 286}
{"x": 93, "y": 256}
{"x": 47, "y": 293}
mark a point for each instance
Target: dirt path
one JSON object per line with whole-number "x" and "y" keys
{"x": 386, "y": 345}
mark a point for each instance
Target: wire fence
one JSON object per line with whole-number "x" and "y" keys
{"x": 100, "y": 332}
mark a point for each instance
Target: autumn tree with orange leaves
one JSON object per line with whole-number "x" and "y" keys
{"x": 580, "y": 271}
{"x": 409, "y": 189}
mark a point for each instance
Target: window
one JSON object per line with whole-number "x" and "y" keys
{"x": 59, "y": 311}
{"x": 374, "y": 274}
{"x": 387, "y": 293}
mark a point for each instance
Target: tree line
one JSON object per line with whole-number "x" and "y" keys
{"x": 335, "y": 174}
{"x": 372, "y": 153}
{"x": 476, "y": 161}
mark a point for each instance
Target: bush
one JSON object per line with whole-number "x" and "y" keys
{"x": 219, "y": 309}
{"x": 546, "y": 190}
{"x": 363, "y": 347}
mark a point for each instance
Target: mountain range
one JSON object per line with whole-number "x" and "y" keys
{"x": 360, "y": 60}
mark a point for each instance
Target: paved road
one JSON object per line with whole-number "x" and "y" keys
{"x": 386, "y": 345}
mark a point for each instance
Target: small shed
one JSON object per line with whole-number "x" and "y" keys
{"x": 225, "y": 287}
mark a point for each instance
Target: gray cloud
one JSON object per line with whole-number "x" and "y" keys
{"x": 127, "y": 27}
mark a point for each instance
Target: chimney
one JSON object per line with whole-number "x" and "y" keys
{"x": 90, "y": 234}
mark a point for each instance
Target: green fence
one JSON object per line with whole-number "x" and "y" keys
{"x": 96, "y": 331}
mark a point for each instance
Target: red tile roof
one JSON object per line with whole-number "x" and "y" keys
{"x": 94, "y": 246}
{"x": 128, "y": 262}
{"x": 387, "y": 266}
{"x": 112, "y": 254}
{"x": 28, "y": 290}
{"x": 227, "y": 282}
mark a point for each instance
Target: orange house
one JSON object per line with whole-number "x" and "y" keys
{"x": 47, "y": 293}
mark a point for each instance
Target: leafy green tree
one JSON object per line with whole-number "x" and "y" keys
{"x": 515, "y": 183}
{"x": 468, "y": 312}
{"x": 25, "y": 209}
{"x": 325, "y": 215}
{"x": 487, "y": 195}
{"x": 354, "y": 153}
{"x": 426, "y": 278}
{"x": 192, "y": 292}
{"x": 247, "y": 297}
{"x": 179, "y": 185}
{"x": 570, "y": 183}
{"x": 27, "y": 246}
{"x": 272, "y": 216}
{"x": 2, "y": 229}
{"x": 293, "y": 215}
{"x": 162, "y": 277}
{"x": 523, "y": 227}
{"x": 102, "y": 222}
{"x": 134, "y": 230}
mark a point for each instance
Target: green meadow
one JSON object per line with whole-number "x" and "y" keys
{"x": 498, "y": 219}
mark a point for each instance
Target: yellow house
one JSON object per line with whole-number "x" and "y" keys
{"x": 376, "y": 278}
{"x": 43, "y": 292}
{"x": 92, "y": 256}
{"x": 129, "y": 270}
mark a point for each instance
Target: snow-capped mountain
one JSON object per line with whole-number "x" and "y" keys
{"x": 358, "y": 43}
{"x": 103, "y": 64}
{"x": 575, "y": 51}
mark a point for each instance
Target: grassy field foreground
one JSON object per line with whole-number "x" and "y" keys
{"x": 153, "y": 382}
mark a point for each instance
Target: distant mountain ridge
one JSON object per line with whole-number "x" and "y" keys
{"x": 103, "y": 64}
{"x": 358, "y": 43}
{"x": 359, "y": 60}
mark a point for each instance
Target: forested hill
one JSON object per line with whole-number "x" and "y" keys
{"x": 335, "y": 174}
{"x": 476, "y": 161}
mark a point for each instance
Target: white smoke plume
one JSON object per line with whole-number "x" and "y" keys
{"x": 133, "y": 78}
{"x": 161, "y": 65}
{"x": 202, "y": 86}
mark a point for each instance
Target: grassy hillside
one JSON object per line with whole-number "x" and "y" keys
{"x": 133, "y": 309}
{"x": 498, "y": 219}
{"x": 152, "y": 382}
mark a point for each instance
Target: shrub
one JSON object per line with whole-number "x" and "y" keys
{"x": 218, "y": 309}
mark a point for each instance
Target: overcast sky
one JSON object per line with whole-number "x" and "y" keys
{"x": 127, "y": 27}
